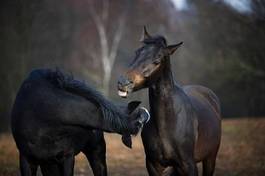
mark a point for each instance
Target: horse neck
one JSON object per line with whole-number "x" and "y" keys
{"x": 165, "y": 82}
{"x": 161, "y": 97}
{"x": 113, "y": 118}
{"x": 161, "y": 92}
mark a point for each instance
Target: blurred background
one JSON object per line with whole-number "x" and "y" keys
{"x": 95, "y": 40}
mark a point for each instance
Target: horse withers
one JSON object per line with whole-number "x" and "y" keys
{"x": 54, "y": 117}
{"x": 185, "y": 124}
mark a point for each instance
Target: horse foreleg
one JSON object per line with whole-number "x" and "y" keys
{"x": 154, "y": 168}
{"x": 97, "y": 158}
{"x": 170, "y": 171}
{"x": 68, "y": 165}
{"x": 187, "y": 168}
{"x": 208, "y": 166}
{"x": 27, "y": 168}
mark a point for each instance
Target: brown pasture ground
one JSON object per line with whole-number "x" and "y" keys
{"x": 242, "y": 153}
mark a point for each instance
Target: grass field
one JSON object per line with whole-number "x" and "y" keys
{"x": 242, "y": 153}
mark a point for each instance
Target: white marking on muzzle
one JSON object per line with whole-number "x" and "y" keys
{"x": 122, "y": 94}
{"x": 148, "y": 114}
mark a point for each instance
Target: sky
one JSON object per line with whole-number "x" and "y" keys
{"x": 242, "y": 6}
{"x": 180, "y": 4}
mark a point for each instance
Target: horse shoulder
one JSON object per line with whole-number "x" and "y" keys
{"x": 186, "y": 117}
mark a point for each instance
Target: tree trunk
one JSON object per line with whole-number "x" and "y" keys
{"x": 106, "y": 82}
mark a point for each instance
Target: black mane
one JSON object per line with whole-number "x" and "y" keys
{"x": 158, "y": 40}
{"x": 153, "y": 40}
{"x": 68, "y": 83}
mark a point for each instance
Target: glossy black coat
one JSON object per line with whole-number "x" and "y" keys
{"x": 55, "y": 117}
{"x": 185, "y": 124}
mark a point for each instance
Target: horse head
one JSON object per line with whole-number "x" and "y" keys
{"x": 137, "y": 117}
{"x": 147, "y": 63}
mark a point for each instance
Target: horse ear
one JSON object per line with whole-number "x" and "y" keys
{"x": 127, "y": 140}
{"x": 145, "y": 35}
{"x": 132, "y": 106}
{"x": 172, "y": 48}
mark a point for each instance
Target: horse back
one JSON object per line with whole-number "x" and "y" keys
{"x": 203, "y": 94}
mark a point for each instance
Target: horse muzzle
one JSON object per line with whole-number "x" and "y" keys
{"x": 124, "y": 87}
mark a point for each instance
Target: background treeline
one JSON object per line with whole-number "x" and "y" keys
{"x": 223, "y": 48}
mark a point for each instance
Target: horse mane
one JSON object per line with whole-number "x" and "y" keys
{"x": 67, "y": 82}
{"x": 157, "y": 39}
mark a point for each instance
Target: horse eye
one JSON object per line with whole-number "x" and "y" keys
{"x": 157, "y": 61}
{"x": 146, "y": 72}
{"x": 159, "y": 55}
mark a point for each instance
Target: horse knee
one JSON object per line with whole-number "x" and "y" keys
{"x": 170, "y": 171}
{"x": 188, "y": 168}
{"x": 154, "y": 168}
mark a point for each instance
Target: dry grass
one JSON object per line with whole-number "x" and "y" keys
{"x": 242, "y": 149}
{"x": 242, "y": 153}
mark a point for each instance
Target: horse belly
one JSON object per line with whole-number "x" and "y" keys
{"x": 53, "y": 142}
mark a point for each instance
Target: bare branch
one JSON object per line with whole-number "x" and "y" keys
{"x": 116, "y": 40}
{"x": 102, "y": 36}
{"x": 108, "y": 49}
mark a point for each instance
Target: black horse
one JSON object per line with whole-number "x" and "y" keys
{"x": 185, "y": 125}
{"x": 54, "y": 117}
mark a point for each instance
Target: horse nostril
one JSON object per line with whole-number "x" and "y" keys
{"x": 127, "y": 82}
{"x": 123, "y": 81}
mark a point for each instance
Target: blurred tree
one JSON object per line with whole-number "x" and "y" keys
{"x": 235, "y": 54}
{"x": 108, "y": 49}
{"x": 223, "y": 49}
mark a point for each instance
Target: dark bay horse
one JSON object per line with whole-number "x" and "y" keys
{"x": 185, "y": 124}
{"x": 54, "y": 117}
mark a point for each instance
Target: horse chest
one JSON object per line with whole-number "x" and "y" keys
{"x": 157, "y": 147}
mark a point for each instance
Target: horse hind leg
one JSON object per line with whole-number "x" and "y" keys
{"x": 68, "y": 165}
{"x": 208, "y": 166}
{"x": 96, "y": 156}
